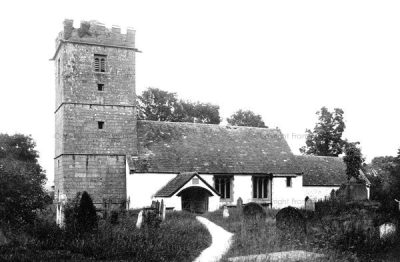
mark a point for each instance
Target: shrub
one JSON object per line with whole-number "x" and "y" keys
{"x": 151, "y": 219}
{"x": 80, "y": 215}
{"x": 86, "y": 216}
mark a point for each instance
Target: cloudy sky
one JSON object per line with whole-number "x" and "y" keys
{"x": 281, "y": 59}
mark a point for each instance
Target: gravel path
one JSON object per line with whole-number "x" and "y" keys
{"x": 221, "y": 241}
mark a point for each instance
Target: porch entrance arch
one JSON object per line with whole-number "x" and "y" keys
{"x": 195, "y": 199}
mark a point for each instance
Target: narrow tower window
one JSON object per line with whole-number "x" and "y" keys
{"x": 288, "y": 182}
{"x": 100, "y": 87}
{"x": 100, "y": 63}
{"x": 100, "y": 124}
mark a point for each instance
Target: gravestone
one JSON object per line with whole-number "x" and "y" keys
{"x": 253, "y": 211}
{"x": 225, "y": 212}
{"x": 3, "y": 239}
{"x": 309, "y": 204}
{"x": 239, "y": 203}
{"x": 163, "y": 209}
{"x": 398, "y": 202}
{"x": 139, "y": 220}
{"x": 387, "y": 230}
{"x": 290, "y": 219}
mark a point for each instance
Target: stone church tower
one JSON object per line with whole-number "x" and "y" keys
{"x": 95, "y": 115}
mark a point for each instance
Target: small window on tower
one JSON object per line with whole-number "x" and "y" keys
{"x": 100, "y": 87}
{"x": 288, "y": 182}
{"x": 100, "y": 63}
{"x": 100, "y": 124}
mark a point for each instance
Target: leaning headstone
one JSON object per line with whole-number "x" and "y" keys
{"x": 309, "y": 204}
{"x": 3, "y": 239}
{"x": 239, "y": 203}
{"x": 139, "y": 220}
{"x": 253, "y": 211}
{"x": 398, "y": 202}
{"x": 225, "y": 213}
{"x": 290, "y": 219}
{"x": 387, "y": 230}
{"x": 163, "y": 209}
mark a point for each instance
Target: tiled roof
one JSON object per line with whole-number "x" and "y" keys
{"x": 177, "y": 182}
{"x": 322, "y": 170}
{"x": 171, "y": 147}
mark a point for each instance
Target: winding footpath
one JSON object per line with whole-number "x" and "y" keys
{"x": 221, "y": 241}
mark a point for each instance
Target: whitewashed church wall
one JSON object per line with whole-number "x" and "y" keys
{"x": 283, "y": 196}
{"x": 140, "y": 188}
{"x": 241, "y": 187}
{"x": 318, "y": 192}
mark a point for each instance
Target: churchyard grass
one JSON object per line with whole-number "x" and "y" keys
{"x": 179, "y": 238}
{"x": 261, "y": 236}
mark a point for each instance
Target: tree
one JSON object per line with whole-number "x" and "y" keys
{"x": 353, "y": 160}
{"x": 197, "y": 112}
{"x": 385, "y": 182}
{"x": 326, "y": 138}
{"x": 159, "y": 105}
{"x": 21, "y": 179}
{"x": 246, "y": 118}
{"x": 80, "y": 215}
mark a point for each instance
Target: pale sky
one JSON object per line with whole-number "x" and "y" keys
{"x": 282, "y": 59}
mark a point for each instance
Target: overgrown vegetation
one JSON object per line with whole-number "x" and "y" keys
{"x": 179, "y": 238}
{"x": 338, "y": 231}
{"x": 80, "y": 215}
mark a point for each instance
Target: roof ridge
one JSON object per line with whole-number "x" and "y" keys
{"x": 207, "y": 124}
{"x": 314, "y": 156}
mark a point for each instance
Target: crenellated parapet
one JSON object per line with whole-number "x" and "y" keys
{"x": 93, "y": 32}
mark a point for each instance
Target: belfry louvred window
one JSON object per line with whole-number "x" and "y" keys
{"x": 100, "y": 63}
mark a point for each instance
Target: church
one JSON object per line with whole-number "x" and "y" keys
{"x": 102, "y": 148}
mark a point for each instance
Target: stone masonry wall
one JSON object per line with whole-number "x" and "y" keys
{"x": 79, "y": 80}
{"x": 103, "y": 177}
{"x": 88, "y": 158}
{"x": 82, "y": 136}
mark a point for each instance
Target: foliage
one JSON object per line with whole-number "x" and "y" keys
{"x": 353, "y": 160}
{"x": 80, "y": 215}
{"x": 151, "y": 219}
{"x": 246, "y": 118}
{"x": 159, "y": 105}
{"x": 197, "y": 112}
{"x": 21, "y": 179}
{"x": 385, "y": 181}
{"x": 179, "y": 238}
{"x": 326, "y": 138}
{"x": 340, "y": 233}
{"x": 261, "y": 236}
{"x": 86, "y": 216}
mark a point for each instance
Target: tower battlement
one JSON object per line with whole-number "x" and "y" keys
{"x": 94, "y": 32}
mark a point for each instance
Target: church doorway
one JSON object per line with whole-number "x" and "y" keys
{"x": 195, "y": 199}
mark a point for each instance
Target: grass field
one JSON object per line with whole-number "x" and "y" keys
{"x": 262, "y": 236}
{"x": 180, "y": 238}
